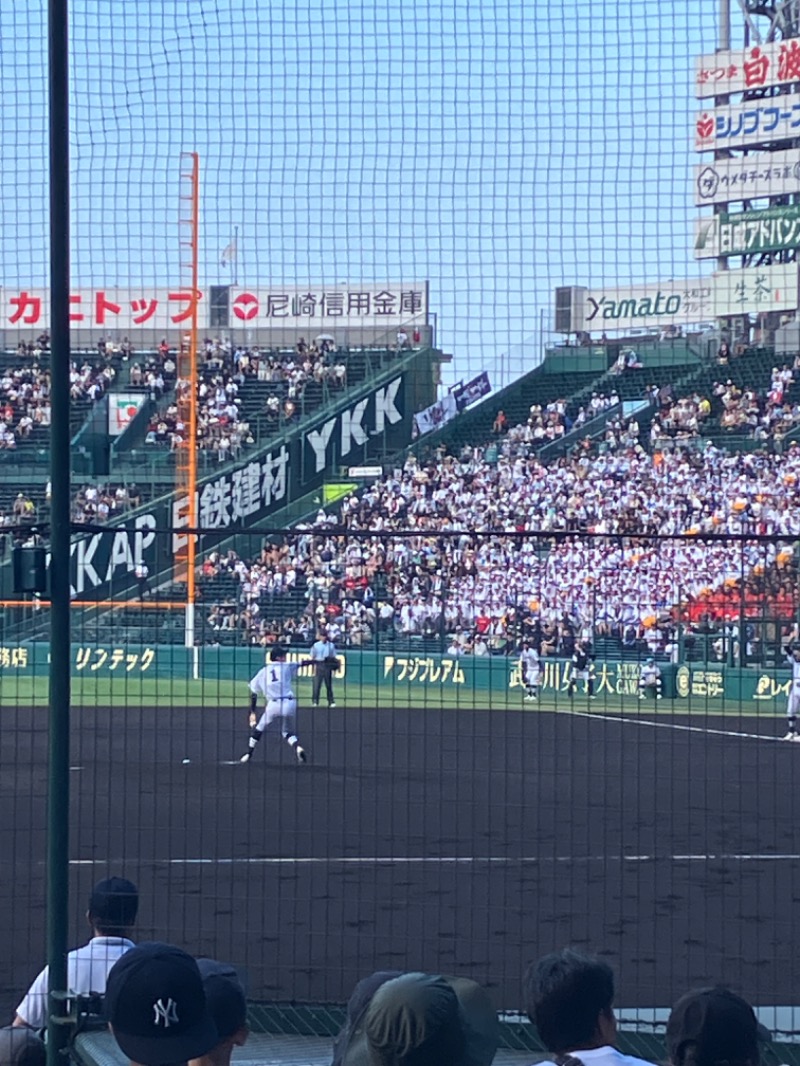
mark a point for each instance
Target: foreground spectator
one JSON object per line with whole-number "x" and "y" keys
{"x": 21, "y": 1047}
{"x": 156, "y": 1006}
{"x": 112, "y": 910}
{"x": 226, "y": 1002}
{"x": 417, "y": 1019}
{"x": 713, "y": 1025}
{"x": 569, "y": 997}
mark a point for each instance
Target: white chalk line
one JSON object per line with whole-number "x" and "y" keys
{"x": 676, "y": 726}
{"x": 456, "y": 860}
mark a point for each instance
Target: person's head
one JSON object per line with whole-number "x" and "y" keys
{"x": 21, "y": 1047}
{"x": 418, "y": 1019}
{"x": 569, "y": 998}
{"x": 156, "y": 1006}
{"x": 712, "y": 1025}
{"x": 228, "y": 1007}
{"x": 278, "y": 653}
{"x": 113, "y": 905}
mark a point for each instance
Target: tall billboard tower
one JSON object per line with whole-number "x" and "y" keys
{"x": 747, "y": 133}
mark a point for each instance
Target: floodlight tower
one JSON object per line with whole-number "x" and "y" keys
{"x": 766, "y": 20}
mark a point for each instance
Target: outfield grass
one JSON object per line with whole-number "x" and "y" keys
{"x": 212, "y": 692}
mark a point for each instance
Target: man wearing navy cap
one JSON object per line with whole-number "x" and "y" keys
{"x": 156, "y": 1006}
{"x": 228, "y": 1006}
{"x": 112, "y": 910}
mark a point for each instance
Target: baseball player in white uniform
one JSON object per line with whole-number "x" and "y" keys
{"x": 273, "y": 683}
{"x": 531, "y": 671}
{"x": 650, "y": 679}
{"x": 792, "y": 652}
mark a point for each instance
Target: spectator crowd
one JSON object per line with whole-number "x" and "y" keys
{"x": 225, "y": 370}
{"x": 163, "y": 1006}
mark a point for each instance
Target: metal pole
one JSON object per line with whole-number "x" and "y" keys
{"x": 235, "y": 256}
{"x": 724, "y": 25}
{"x": 59, "y": 689}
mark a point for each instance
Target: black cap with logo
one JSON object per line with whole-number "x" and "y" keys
{"x": 156, "y": 1006}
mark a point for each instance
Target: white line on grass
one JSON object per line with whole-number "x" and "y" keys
{"x": 457, "y": 860}
{"x": 679, "y": 727}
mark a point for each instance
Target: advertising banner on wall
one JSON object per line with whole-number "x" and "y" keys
{"x": 241, "y": 495}
{"x": 756, "y": 290}
{"x": 435, "y": 416}
{"x": 324, "y": 309}
{"x": 748, "y": 233}
{"x": 122, "y": 409}
{"x": 474, "y": 390}
{"x": 774, "y": 63}
{"x": 686, "y": 303}
{"x": 753, "y": 122}
{"x": 759, "y": 175}
{"x": 314, "y": 311}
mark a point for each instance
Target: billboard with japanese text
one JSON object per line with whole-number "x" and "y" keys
{"x": 683, "y": 303}
{"x": 774, "y": 63}
{"x": 754, "y": 122}
{"x": 759, "y": 175}
{"x": 316, "y": 310}
{"x": 323, "y": 309}
{"x": 360, "y": 430}
{"x": 748, "y": 233}
{"x": 756, "y": 290}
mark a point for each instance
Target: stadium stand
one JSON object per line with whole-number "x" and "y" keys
{"x": 629, "y": 596}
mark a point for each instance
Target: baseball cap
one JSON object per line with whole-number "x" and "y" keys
{"x": 720, "y": 1023}
{"x": 156, "y": 1005}
{"x": 21, "y": 1047}
{"x": 427, "y": 1019}
{"x": 224, "y": 996}
{"x": 114, "y": 901}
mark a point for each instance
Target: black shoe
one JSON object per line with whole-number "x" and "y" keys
{"x": 300, "y": 754}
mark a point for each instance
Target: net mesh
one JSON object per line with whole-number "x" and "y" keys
{"x": 387, "y": 197}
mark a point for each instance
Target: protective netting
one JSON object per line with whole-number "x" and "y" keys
{"x": 308, "y": 241}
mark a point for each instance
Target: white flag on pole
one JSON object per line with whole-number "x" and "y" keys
{"x": 229, "y": 253}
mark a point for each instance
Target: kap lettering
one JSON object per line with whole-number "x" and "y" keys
{"x": 98, "y": 559}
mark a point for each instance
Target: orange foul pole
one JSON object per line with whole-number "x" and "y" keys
{"x": 186, "y": 464}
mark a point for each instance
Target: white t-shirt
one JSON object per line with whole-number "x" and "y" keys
{"x": 274, "y": 682}
{"x": 87, "y": 970}
{"x": 607, "y": 1056}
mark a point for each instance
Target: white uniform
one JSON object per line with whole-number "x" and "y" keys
{"x": 793, "y": 703}
{"x": 531, "y": 668}
{"x": 650, "y": 678}
{"x": 273, "y": 683}
{"x": 649, "y": 674}
{"x": 87, "y": 971}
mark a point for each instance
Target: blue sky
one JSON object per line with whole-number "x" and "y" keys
{"x": 495, "y": 147}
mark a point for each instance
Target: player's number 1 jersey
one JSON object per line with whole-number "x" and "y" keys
{"x": 274, "y": 682}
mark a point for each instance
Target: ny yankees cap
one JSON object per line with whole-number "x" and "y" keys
{"x": 224, "y": 995}
{"x": 721, "y": 1025}
{"x": 156, "y": 1006}
{"x": 114, "y": 901}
